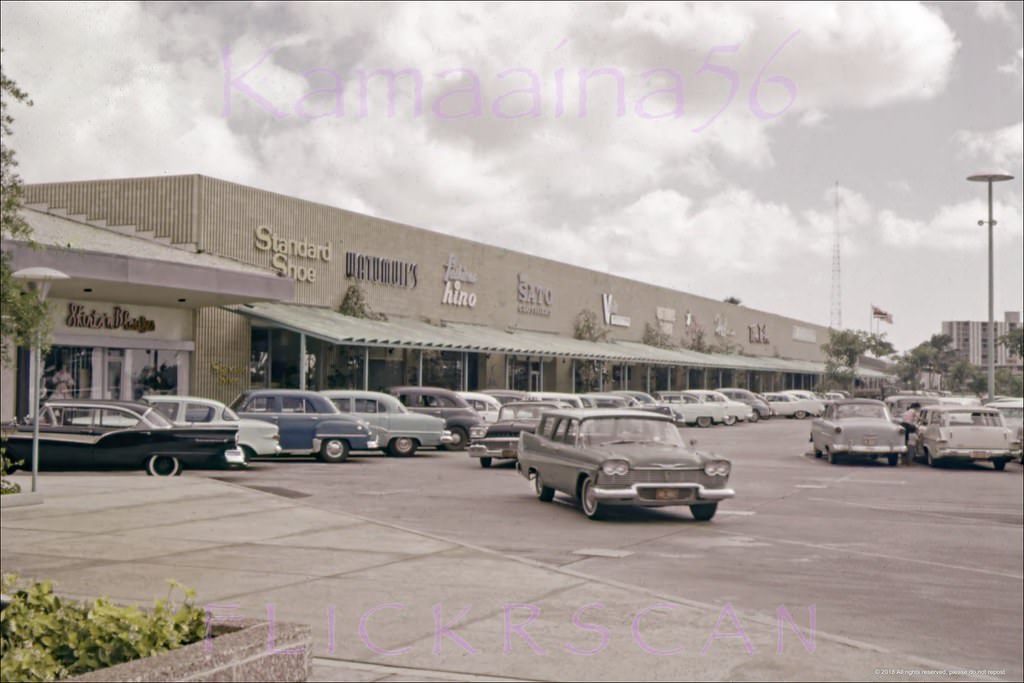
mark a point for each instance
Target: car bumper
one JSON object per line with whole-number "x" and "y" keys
{"x": 868, "y": 450}
{"x": 235, "y": 456}
{"x": 968, "y": 454}
{"x": 479, "y": 450}
{"x": 446, "y": 437}
{"x": 655, "y": 495}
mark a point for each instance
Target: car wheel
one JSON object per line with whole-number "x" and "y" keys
{"x": 1000, "y": 465}
{"x": 704, "y": 512}
{"x": 588, "y": 501}
{"x": 163, "y": 466}
{"x": 704, "y": 422}
{"x": 833, "y": 459}
{"x": 544, "y": 493}
{"x": 485, "y": 462}
{"x": 402, "y": 447}
{"x": 894, "y": 459}
{"x": 817, "y": 453}
{"x": 459, "y": 439}
{"x": 800, "y": 414}
{"x": 730, "y": 420}
{"x": 334, "y": 451}
{"x": 754, "y": 417}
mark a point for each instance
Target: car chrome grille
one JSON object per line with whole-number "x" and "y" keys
{"x": 503, "y": 435}
{"x": 653, "y": 476}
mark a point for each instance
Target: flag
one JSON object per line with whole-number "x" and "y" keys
{"x": 877, "y": 312}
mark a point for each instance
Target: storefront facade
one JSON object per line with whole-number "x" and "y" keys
{"x": 451, "y": 312}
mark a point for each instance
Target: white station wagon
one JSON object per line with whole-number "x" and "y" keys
{"x": 965, "y": 433}
{"x": 255, "y": 437}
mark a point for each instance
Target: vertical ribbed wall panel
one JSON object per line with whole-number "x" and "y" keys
{"x": 163, "y": 206}
{"x": 220, "y": 364}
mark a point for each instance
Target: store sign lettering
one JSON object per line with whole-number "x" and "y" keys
{"x": 120, "y": 319}
{"x": 533, "y": 299}
{"x": 758, "y": 333}
{"x": 285, "y": 248}
{"x": 380, "y": 270}
{"x": 455, "y": 275}
{"x": 611, "y": 312}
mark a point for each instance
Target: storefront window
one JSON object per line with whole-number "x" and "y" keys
{"x": 343, "y": 367}
{"x": 120, "y": 374}
{"x": 589, "y": 375}
{"x": 67, "y": 372}
{"x": 153, "y": 371}
{"x": 443, "y": 369}
{"x": 259, "y": 359}
{"x": 390, "y": 368}
{"x": 284, "y": 359}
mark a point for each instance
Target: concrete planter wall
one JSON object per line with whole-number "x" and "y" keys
{"x": 242, "y": 651}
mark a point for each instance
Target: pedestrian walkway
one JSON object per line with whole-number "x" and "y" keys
{"x": 387, "y": 603}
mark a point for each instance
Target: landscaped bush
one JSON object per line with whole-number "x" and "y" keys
{"x": 6, "y": 467}
{"x": 46, "y": 637}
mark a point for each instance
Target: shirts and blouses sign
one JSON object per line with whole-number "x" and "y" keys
{"x": 118, "y": 319}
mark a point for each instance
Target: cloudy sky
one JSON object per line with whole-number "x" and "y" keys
{"x": 696, "y": 146}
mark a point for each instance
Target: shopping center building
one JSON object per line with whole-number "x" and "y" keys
{"x": 191, "y": 284}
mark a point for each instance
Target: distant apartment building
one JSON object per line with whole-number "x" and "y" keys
{"x": 970, "y": 339}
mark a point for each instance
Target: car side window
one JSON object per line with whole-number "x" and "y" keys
{"x": 168, "y": 410}
{"x": 344, "y": 405}
{"x": 293, "y": 404}
{"x": 443, "y": 402}
{"x": 367, "y": 405}
{"x": 76, "y": 417}
{"x": 559, "y": 434}
{"x": 110, "y": 417}
{"x": 571, "y": 431}
{"x": 197, "y": 412}
{"x": 259, "y": 404}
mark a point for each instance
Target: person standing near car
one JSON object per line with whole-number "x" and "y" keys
{"x": 909, "y": 424}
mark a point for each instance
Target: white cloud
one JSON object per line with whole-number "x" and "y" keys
{"x": 990, "y": 10}
{"x": 1015, "y": 67}
{"x": 1003, "y": 147}
{"x": 953, "y": 227}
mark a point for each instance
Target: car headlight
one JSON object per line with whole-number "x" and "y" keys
{"x": 477, "y": 432}
{"x": 615, "y": 468}
{"x": 717, "y": 469}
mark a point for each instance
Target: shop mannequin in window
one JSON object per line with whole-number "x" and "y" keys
{"x": 63, "y": 383}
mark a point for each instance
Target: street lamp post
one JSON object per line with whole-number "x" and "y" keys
{"x": 39, "y": 280}
{"x": 991, "y": 345}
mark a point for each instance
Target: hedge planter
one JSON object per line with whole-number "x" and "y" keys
{"x": 243, "y": 651}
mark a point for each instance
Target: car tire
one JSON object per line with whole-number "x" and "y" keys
{"x": 800, "y": 414}
{"x": 704, "y": 422}
{"x": 485, "y": 462}
{"x": 459, "y": 437}
{"x": 833, "y": 459}
{"x": 754, "y": 417}
{"x": 730, "y": 420}
{"x": 402, "y": 447}
{"x": 894, "y": 459}
{"x": 704, "y": 512}
{"x": 163, "y": 466}
{"x": 544, "y": 493}
{"x": 817, "y": 453}
{"x": 1000, "y": 465}
{"x": 334, "y": 451}
{"x": 591, "y": 508}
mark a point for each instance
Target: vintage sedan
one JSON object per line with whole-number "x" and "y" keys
{"x": 620, "y": 457}
{"x": 692, "y": 409}
{"x": 735, "y": 411}
{"x": 255, "y": 437}
{"x": 761, "y": 409}
{"x": 398, "y": 431}
{"x": 308, "y": 422}
{"x": 860, "y": 428}
{"x": 99, "y": 434}
{"x": 967, "y": 434}
{"x": 485, "y": 405}
{"x": 502, "y": 438}
{"x": 785, "y": 404}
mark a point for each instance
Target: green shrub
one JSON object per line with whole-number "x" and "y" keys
{"x": 46, "y": 637}
{"x": 6, "y": 467}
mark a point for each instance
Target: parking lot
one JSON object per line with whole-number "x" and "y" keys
{"x": 922, "y": 563}
{"x": 916, "y": 559}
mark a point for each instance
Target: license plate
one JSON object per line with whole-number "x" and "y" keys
{"x": 666, "y": 494}
{"x": 869, "y": 442}
{"x": 979, "y": 454}
{"x": 509, "y": 452}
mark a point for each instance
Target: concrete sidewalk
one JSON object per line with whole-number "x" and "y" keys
{"x": 379, "y": 598}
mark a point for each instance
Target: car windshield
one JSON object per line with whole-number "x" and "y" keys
{"x": 154, "y": 417}
{"x": 229, "y": 415}
{"x": 974, "y": 418}
{"x": 522, "y": 412}
{"x": 606, "y": 431}
{"x": 861, "y": 410}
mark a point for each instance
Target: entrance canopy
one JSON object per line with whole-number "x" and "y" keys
{"x": 330, "y": 326}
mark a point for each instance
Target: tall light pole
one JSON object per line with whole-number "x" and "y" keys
{"x": 991, "y": 346}
{"x": 39, "y": 280}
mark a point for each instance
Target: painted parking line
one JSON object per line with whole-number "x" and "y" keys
{"x": 602, "y": 552}
{"x": 745, "y": 513}
{"x": 810, "y": 486}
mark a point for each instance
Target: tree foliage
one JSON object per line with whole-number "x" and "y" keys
{"x": 1013, "y": 341}
{"x": 354, "y": 304}
{"x": 586, "y": 327}
{"x": 844, "y": 348}
{"x": 655, "y": 336}
{"x": 22, "y": 316}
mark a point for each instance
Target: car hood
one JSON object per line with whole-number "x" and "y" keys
{"x": 651, "y": 455}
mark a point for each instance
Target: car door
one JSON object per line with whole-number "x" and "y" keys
{"x": 123, "y": 438}
{"x": 564, "y": 461}
{"x": 374, "y": 412}
{"x": 297, "y": 421}
{"x": 67, "y": 442}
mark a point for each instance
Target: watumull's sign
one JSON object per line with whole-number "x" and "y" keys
{"x": 118, "y": 319}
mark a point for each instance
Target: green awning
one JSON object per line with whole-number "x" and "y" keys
{"x": 330, "y": 326}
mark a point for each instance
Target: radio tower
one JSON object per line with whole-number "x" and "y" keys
{"x": 836, "y": 322}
